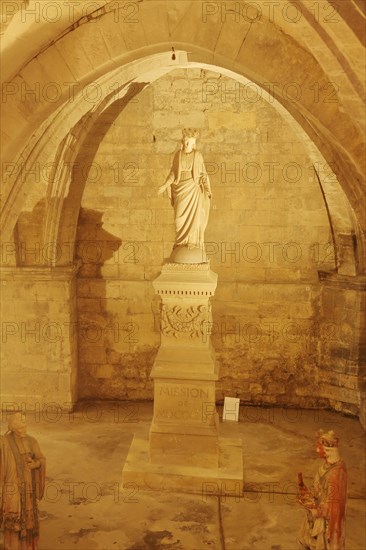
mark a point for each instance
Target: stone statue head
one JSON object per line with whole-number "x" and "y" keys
{"x": 189, "y": 139}
{"x": 17, "y": 425}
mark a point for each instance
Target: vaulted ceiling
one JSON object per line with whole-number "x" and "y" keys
{"x": 64, "y": 63}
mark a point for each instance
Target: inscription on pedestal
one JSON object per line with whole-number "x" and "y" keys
{"x": 184, "y": 402}
{"x": 182, "y": 391}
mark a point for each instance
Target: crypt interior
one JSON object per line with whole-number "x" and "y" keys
{"x": 94, "y": 99}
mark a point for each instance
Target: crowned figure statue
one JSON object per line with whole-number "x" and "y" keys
{"x": 189, "y": 190}
{"x": 325, "y": 503}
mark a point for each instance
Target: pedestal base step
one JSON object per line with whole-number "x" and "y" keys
{"x": 227, "y": 479}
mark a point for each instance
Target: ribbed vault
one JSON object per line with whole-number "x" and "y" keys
{"x": 299, "y": 63}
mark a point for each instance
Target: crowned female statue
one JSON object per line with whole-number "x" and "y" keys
{"x": 189, "y": 190}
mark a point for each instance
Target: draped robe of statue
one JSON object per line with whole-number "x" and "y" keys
{"x": 189, "y": 190}
{"x": 326, "y": 529}
{"x": 21, "y": 487}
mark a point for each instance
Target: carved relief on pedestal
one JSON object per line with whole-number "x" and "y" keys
{"x": 181, "y": 321}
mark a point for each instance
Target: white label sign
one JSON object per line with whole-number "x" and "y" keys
{"x": 231, "y": 409}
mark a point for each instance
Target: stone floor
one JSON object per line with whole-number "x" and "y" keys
{"x": 85, "y": 507}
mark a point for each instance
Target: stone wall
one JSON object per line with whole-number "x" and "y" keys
{"x": 342, "y": 351}
{"x": 268, "y": 235}
{"x": 38, "y": 340}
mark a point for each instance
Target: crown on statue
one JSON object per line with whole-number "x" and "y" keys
{"x": 328, "y": 439}
{"x": 190, "y": 133}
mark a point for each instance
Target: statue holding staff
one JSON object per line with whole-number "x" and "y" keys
{"x": 324, "y": 525}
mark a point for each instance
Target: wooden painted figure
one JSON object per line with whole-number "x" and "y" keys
{"x": 22, "y": 472}
{"x": 324, "y": 525}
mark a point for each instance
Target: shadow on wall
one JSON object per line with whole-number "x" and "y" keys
{"x": 109, "y": 364}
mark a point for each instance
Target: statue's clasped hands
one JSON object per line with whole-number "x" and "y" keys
{"x": 32, "y": 464}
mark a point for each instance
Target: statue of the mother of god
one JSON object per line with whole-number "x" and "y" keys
{"x": 189, "y": 190}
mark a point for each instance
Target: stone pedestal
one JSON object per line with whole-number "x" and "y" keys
{"x": 183, "y": 450}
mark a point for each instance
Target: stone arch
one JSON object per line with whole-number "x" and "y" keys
{"x": 64, "y": 193}
{"x": 206, "y": 40}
